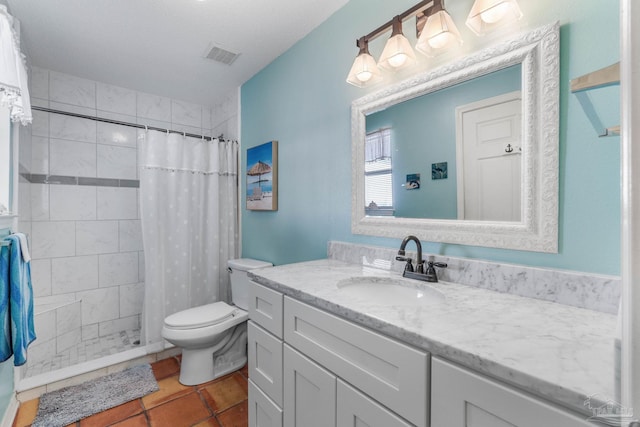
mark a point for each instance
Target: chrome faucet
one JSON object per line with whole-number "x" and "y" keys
{"x": 401, "y": 256}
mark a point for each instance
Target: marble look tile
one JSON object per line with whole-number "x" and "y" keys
{"x": 41, "y": 277}
{"x": 39, "y": 83}
{"x": 40, "y": 155}
{"x": 38, "y": 102}
{"x": 68, "y": 318}
{"x": 118, "y": 269}
{"x": 24, "y": 200}
{"x": 72, "y": 202}
{"x": 72, "y": 128}
{"x": 45, "y": 325}
{"x": 116, "y": 99}
{"x": 112, "y": 134}
{"x": 123, "y": 324}
{"x": 141, "y": 272}
{"x": 99, "y": 305}
{"x": 72, "y": 90}
{"x": 71, "y": 158}
{"x": 96, "y": 237}
{"x": 153, "y": 107}
{"x": 117, "y": 203}
{"x": 75, "y": 109}
{"x": 53, "y": 239}
{"x": 130, "y": 236}
{"x": 40, "y": 124}
{"x": 117, "y": 162}
{"x": 131, "y": 299}
{"x": 185, "y": 113}
{"x": 68, "y": 339}
{"x": 90, "y": 332}
{"x": 73, "y": 274}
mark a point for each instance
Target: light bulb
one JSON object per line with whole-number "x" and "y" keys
{"x": 441, "y": 40}
{"x": 364, "y": 76}
{"x": 495, "y": 13}
{"x": 398, "y": 60}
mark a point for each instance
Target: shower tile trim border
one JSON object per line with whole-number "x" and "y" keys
{"x": 80, "y": 180}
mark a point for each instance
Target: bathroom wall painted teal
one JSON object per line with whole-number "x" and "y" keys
{"x": 302, "y": 100}
{"x": 419, "y": 140}
{"x": 6, "y": 385}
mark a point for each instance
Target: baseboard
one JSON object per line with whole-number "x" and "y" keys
{"x": 10, "y": 413}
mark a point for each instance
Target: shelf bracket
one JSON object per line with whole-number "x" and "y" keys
{"x": 608, "y": 76}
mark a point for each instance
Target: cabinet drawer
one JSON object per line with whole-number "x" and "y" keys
{"x": 265, "y": 361}
{"x": 462, "y": 398}
{"x": 354, "y": 409}
{"x": 262, "y": 411}
{"x": 393, "y": 373}
{"x": 265, "y": 308}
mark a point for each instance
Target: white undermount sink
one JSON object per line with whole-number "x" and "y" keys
{"x": 389, "y": 291}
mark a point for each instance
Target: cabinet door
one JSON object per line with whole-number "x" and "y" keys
{"x": 265, "y": 362}
{"x": 263, "y": 412}
{"x": 389, "y": 371}
{"x": 354, "y": 409}
{"x": 462, "y": 398}
{"x": 309, "y": 392}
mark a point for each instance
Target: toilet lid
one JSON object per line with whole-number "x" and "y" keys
{"x": 199, "y": 317}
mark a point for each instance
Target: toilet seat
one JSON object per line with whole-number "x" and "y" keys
{"x": 202, "y": 316}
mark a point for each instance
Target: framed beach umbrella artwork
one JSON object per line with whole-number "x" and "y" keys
{"x": 262, "y": 177}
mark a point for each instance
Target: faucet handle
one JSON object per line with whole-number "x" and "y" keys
{"x": 408, "y": 266}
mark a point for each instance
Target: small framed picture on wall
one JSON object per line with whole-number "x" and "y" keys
{"x": 262, "y": 177}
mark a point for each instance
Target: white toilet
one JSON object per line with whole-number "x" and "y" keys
{"x": 213, "y": 337}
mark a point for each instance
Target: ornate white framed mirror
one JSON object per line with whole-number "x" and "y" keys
{"x": 466, "y": 153}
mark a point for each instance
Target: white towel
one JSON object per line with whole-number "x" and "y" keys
{"x": 24, "y": 248}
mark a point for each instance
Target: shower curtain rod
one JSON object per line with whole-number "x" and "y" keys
{"x": 118, "y": 122}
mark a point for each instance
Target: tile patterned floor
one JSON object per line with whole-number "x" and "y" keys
{"x": 84, "y": 351}
{"x": 219, "y": 403}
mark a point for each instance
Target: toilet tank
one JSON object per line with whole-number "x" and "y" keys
{"x": 240, "y": 281}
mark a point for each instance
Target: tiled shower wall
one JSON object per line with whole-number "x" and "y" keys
{"x": 79, "y": 199}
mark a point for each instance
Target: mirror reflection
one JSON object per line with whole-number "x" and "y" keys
{"x": 455, "y": 153}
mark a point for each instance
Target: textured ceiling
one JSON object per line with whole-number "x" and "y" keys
{"x": 158, "y": 46}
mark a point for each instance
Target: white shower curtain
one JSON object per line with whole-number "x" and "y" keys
{"x": 189, "y": 205}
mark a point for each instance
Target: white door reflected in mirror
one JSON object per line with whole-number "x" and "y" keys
{"x": 488, "y": 138}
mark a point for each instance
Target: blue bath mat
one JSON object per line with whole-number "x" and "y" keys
{"x": 70, "y": 404}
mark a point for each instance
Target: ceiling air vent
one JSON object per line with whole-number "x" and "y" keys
{"x": 219, "y": 54}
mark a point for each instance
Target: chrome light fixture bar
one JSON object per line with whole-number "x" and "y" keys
{"x": 436, "y": 33}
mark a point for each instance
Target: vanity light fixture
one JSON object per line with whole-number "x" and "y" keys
{"x": 364, "y": 70}
{"x": 486, "y": 15}
{"x": 439, "y": 32}
{"x": 436, "y": 33}
{"x": 397, "y": 52}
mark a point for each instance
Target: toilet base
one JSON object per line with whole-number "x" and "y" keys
{"x": 206, "y": 364}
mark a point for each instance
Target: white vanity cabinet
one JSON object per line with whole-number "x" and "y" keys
{"x": 463, "y": 398}
{"x": 265, "y": 357}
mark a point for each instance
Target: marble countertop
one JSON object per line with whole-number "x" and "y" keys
{"x": 561, "y": 353}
